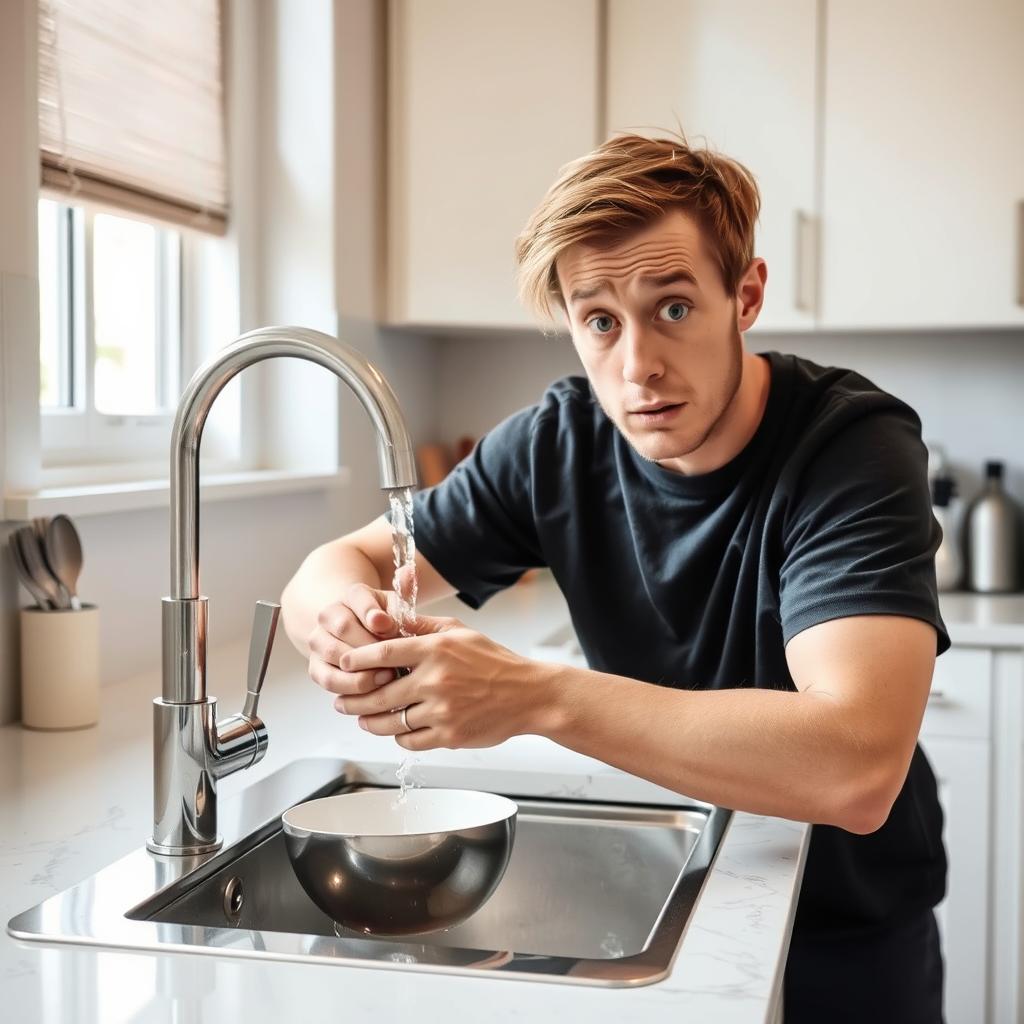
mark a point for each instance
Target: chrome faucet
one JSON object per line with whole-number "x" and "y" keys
{"x": 191, "y": 749}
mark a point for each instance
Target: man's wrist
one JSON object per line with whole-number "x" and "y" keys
{"x": 549, "y": 710}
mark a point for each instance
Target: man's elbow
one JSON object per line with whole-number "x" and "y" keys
{"x": 863, "y": 820}
{"x": 872, "y": 795}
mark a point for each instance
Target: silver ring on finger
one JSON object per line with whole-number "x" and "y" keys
{"x": 405, "y": 721}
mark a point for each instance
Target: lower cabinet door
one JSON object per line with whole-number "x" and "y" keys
{"x": 962, "y": 769}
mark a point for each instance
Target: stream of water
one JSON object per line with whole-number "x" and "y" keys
{"x": 406, "y": 587}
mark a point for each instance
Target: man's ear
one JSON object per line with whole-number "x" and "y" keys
{"x": 750, "y": 294}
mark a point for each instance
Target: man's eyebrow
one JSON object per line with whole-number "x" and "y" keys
{"x": 655, "y": 281}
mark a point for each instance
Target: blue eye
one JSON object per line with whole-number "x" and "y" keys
{"x": 678, "y": 311}
{"x": 598, "y": 319}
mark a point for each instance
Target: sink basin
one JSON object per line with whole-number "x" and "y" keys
{"x": 594, "y": 893}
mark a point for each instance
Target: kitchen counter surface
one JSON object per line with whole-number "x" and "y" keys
{"x": 985, "y": 620}
{"x": 73, "y": 802}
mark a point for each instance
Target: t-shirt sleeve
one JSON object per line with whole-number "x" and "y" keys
{"x": 477, "y": 527}
{"x": 861, "y": 536}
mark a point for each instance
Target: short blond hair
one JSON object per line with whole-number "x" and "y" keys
{"x": 622, "y": 186}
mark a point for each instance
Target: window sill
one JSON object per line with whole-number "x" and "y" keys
{"x": 95, "y": 499}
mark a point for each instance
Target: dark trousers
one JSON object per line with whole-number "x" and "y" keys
{"x": 873, "y": 975}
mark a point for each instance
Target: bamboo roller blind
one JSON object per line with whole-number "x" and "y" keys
{"x": 131, "y": 107}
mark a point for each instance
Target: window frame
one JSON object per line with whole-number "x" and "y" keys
{"x": 78, "y": 434}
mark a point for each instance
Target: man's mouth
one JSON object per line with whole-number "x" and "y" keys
{"x": 656, "y": 413}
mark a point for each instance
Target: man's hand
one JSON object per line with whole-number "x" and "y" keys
{"x": 463, "y": 689}
{"x": 363, "y": 616}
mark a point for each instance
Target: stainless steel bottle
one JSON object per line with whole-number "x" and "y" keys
{"x": 993, "y": 558}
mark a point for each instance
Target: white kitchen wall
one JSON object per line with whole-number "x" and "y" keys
{"x": 967, "y": 387}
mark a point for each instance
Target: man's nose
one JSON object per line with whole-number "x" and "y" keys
{"x": 641, "y": 357}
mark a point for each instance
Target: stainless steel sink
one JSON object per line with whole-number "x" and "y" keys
{"x": 595, "y": 893}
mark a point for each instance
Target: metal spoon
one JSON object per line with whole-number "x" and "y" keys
{"x": 39, "y": 526}
{"x": 33, "y": 558}
{"x": 25, "y": 576}
{"x": 64, "y": 555}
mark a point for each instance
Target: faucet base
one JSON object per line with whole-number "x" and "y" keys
{"x": 184, "y": 778}
{"x": 192, "y": 751}
{"x": 183, "y": 851}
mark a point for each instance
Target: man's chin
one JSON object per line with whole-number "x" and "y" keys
{"x": 661, "y": 449}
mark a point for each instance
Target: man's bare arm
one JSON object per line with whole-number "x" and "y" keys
{"x": 835, "y": 752}
{"x": 327, "y": 572}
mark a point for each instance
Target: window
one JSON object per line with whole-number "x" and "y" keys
{"x": 111, "y": 348}
{"x": 132, "y": 140}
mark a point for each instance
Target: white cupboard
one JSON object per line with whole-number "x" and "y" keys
{"x": 923, "y": 170}
{"x": 962, "y": 770}
{"x": 486, "y": 102}
{"x": 740, "y": 76}
{"x": 973, "y": 735}
{"x": 885, "y": 140}
{"x": 956, "y": 737}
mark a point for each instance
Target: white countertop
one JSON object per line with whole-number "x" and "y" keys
{"x": 71, "y": 803}
{"x": 984, "y": 620}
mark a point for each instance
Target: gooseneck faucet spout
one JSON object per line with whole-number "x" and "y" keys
{"x": 191, "y": 749}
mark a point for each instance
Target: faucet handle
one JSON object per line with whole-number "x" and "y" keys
{"x": 264, "y": 624}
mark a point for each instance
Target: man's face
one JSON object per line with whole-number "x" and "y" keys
{"x": 657, "y": 334}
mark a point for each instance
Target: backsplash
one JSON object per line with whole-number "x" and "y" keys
{"x": 968, "y": 388}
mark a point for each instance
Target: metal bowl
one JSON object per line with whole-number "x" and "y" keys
{"x": 381, "y": 865}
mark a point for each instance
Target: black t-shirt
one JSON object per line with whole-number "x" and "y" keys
{"x": 698, "y": 582}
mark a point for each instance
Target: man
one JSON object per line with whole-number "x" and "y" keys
{"x": 751, "y": 533}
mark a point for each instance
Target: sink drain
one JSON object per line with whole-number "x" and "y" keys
{"x": 233, "y": 899}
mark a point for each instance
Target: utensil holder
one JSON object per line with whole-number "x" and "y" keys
{"x": 60, "y": 668}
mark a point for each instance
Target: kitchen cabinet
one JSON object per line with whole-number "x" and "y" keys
{"x": 956, "y": 737}
{"x": 883, "y": 140}
{"x": 923, "y": 165}
{"x": 962, "y": 771}
{"x": 740, "y": 76}
{"x": 486, "y": 102}
{"x": 1006, "y": 955}
{"x": 973, "y": 735}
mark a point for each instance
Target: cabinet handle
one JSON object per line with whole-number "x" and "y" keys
{"x": 806, "y": 261}
{"x": 937, "y": 697}
{"x": 1020, "y": 252}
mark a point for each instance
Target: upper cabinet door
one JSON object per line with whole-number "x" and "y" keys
{"x": 923, "y": 164}
{"x": 487, "y": 102}
{"x": 742, "y": 76}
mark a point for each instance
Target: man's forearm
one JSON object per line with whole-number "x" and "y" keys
{"x": 321, "y": 580}
{"x": 791, "y": 755}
